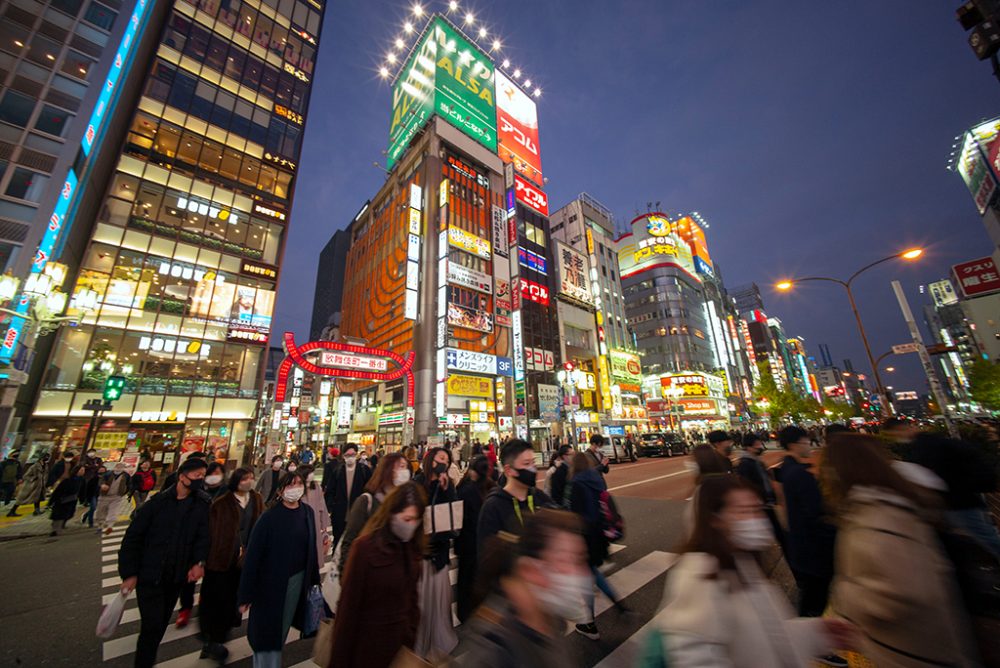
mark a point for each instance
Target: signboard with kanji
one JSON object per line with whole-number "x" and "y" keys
{"x": 977, "y": 277}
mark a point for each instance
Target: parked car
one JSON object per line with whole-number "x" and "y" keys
{"x": 663, "y": 444}
{"x": 614, "y": 449}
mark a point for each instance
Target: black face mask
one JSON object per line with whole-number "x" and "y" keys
{"x": 525, "y": 476}
{"x": 440, "y": 468}
{"x": 196, "y": 485}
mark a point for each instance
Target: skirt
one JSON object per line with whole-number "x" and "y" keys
{"x": 436, "y": 634}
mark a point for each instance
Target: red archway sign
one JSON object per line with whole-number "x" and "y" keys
{"x": 296, "y": 357}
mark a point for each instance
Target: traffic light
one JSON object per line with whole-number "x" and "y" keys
{"x": 113, "y": 387}
{"x": 980, "y": 16}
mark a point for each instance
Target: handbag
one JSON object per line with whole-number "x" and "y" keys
{"x": 314, "y": 612}
{"x": 323, "y": 645}
{"x": 444, "y": 517}
{"x": 111, "y": 616}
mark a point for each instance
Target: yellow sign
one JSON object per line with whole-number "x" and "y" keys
{"x": 415, "y": 222}
{"x": 469, "y": 242}
{"x": 470, "y": 386}
{"x": 443, "y": 194}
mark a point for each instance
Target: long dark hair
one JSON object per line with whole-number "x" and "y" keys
{"x": 484, "y": 484}
{"x": 398, "y": 500}
{"x": 710, "y": 500}
{"x": 710, "y": 463}
{"x": 427, "y": 466}
{"x": 857, "y": 460}
{"x": 286, "y": 480}
{"x": 384, "y": 471}
{"x": 236, "y": 478}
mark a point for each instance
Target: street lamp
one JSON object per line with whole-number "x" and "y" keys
{"x": 570, "y": 376}
{"x": 675, "y": 393}
{"x": 909, "y": 254}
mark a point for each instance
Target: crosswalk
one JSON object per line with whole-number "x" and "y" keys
{"x": 181, "y": 648}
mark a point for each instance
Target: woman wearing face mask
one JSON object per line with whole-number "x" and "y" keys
{"x": 314, "y": 499}
{"x": 230, "y": 520}
{"x": 719, "y": 608}
{"x": 380, "y": 584}
{"x": 279, "y": 569}
{"x": 143, "y": 482}
{"x": 214, "y": 479}
{"x": 538, "y": 581}
{"x": 270, "y": 480}
{"x": 555, "y": 477}
{"x": 392, "y": 471}
{"x": 472, "y": 491}
{"x": 436, "y": 635}
{"x": 347, "y": 485}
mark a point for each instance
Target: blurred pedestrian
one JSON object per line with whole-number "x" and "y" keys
{"x": 165, "y": 546}
{"x": 91, "y": 493}
{"x": 58, "y": 470}
{"x": 392, "y": 471}
{"x": 379, "y": 598}
{"x": 535, "y": 584}
{"x": 718, "y": 607}
{"x": 893, "y": 578}
{"x": 113, "y": 490}
{"x": 279, "y": 569}
{"x": 231, "y": 518}
{"x": 348, "y": 484}
{"x": 215, "y": 479}
{"x": 32, "y": 486}
{"x": 10, "y": 475}
{"x": 599, "y": 461}
{"x": 142, "y": 483}
{"x": 64, "y": 499}
{"x": 472, "y": 491}
{"x": 269, "y": 480}
{"x": 557, "y": 473}
{"x": 314, "y": 499}
{"x": 722, "y": 443}
{"x": 751, "y": 468}
{"x": 506, "y": 508}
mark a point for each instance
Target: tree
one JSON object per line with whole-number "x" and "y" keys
{"x": 984, "y": 384}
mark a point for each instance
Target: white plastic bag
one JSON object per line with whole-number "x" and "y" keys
{"x": 111, "y": 616}
{"x": 331, "y": 583}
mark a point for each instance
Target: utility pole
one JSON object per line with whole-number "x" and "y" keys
{"x": 925, "y": 358}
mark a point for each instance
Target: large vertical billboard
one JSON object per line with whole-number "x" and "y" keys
{"x": 517, "y": 129}
{"x": 448, "y": 76}
{"x": 979, "y": 150}
{"x": 574, "y": 274}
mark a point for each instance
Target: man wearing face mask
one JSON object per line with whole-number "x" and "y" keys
{"x": 752, "y": 469}
{"x": 722, "y": 443}
{"x": 267, "y": 483}
{"x": 507, "y": 508}
{"x": 348, "y": 484}
{"x": 165, "y": 547}
{"x": 541, "y": 581}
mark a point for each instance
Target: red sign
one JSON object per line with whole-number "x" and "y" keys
{"x": 531, "y": 196}
{"x": 977, "y": 277}
{"x": 517, "y": 129}
{"x": 535, "y": 292}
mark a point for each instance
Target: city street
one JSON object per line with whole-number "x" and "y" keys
{"x": 54, "y": 588}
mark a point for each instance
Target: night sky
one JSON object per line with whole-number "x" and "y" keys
{"x": 812, "y": 137}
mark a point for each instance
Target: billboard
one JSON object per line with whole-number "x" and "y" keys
{"x": 449, "y": 76}
{"x": 469, "y": 278}
{"x": 574, "y": 272}
{"x": 978, "y": 277}
{"x": 469, "y": 242}
{"x": 626, "y": 368}
{"x": 517, "y": 129}
{"x": 470, "y": 386}
{"x": 470, "y": 318}
{"x": 655, "y": 241}
{"x": 473, "y": 362}
{"x": 531, "y": 196}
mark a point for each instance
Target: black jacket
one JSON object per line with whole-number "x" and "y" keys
{"x": 752, "y": 470}
{"x": 439, "y": 543}
{"x": 498, "y": 513}
{"x": 809, "y": 547}
{"x": 337, "y": 500}
{"x": 557, "y": 483}
{"x": 146, "y": 544}
{"x": 64, "y": 498}
{"x": 586, "y": 502}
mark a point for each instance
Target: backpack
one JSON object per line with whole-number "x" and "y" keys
{"x": 612, "y": 523}
{"x": 145, "y": 480}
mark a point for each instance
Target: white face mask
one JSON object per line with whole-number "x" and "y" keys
{"x": 350, "y": 459}
{"x": 400, "y": 477}
{"x": 565, "y": 596}
{"x": 293, "y": 494}
{"x": 752, "y": 535}
{"x": 403, "y": 530}
{"x": 276, "y": 465}
{"x": 214, "y": 479}
{"x": 291, "y": 468}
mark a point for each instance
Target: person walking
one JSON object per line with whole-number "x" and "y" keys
{"x": 214, "y": 487}
{"x": 599, "y": 461}
{"x": 893, "y": 578}
{"x": 10, "y": 475}
{"x": 751, "y": 469}
{"x": 32, "y": 486}
{"x": 506, "y": 508}
{"x": 380, "y": 584}
{"x": 348, "y": 484}
{"x": 811, "y": 535}
{"x": 436, "y": 635}
{"x": 722, "y": 443}
{"x": 165, "y": 546}
{"x": 475, "y": 486}
{"x": 91, "y": 493}
{"x": 314, "y": 499}
{"x": 588, "y": 486}
{"x": 279, "y": 569}
{"x": 718, "y": 607}
{"x": 143, "y": 482}
{"x": 558, "y": 474}
{"x": 270, "y": 480}
{"x": 113, "y": 489}
{"x": 215, "y": 478}
{"x": 59, "y": 469}
{"x": 230, "y": 520}
{"x": 392, "y": 471}
{"x": 64, "y": 498}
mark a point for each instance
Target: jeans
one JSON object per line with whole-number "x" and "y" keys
{"x": 156, "y": 606}
{"x": 978, "y": 524}
{"x": 602, "y": 584}
{"x": 91, "y": 510}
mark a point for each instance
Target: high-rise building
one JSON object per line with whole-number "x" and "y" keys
{"x": 184, "y": 244}
{"x": 329, "y": 295}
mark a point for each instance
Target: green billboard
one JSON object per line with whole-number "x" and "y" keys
{"x": 449, "y": 76}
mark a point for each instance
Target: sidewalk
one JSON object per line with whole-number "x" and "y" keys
{"x": 28, "y": 525}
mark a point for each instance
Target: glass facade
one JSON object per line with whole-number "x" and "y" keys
{"x": 185, "y": 251}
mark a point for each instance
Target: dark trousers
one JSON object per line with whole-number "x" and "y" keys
{"x": 217, "y": 608}
{"x": 779, "y": 531}
{"x": 156, "y": 605}
{"x": 7, "y": 490}
{"x": 187, "y": 595}
{"x": 464, "y": 593}
{"x": 814, "y": 592}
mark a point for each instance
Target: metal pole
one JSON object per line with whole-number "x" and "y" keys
{"x": 879, "y": 388}
{"x": 572, "y": 414}
{"x": 925, "y": 358}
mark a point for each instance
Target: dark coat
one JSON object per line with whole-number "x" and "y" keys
{"x": 586, "y": 502}
{"x": 224, "y": 529}
{"x": 810, "y": 537}
{"x": 439, "y": 544}
{"x": 64, "y": 498}
{"x": 144, "y": 548}
{"x": 752, "y": 470}
{"x": 264, "y": 581}
{"x": 498, "y": 513}
{"x": 378, "y": 602}
{"x": 337, "y": 500}
{"x": 557, "y": 483}
{"x": 472, "y": 503}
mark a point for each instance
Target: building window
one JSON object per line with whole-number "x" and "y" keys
{"x": 16, "y": 108}
{"x": 26, "y": 184}
{"x": 52, "y": 121}
{"x": 100, "y": 16}
{"x": 71, "y": 7}
{"x": 76, "y": 65}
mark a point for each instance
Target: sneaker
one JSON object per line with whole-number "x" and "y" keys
{"x": 832, "y": 660}
{"x": 107, "y": 531}
{"x": 588, "y": 630}
{"x": 183, "y": 617}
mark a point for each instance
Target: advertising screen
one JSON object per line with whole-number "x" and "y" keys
{"x": 469, "y": 242}
{"x": 654, "y": 241}
{"x": 462, "y": 316}
{"x": 574, "y": 270}
{"x": 240, "y": 305}
{"x": 972, "y": 163}
{"x": 449, "y": 76}
{"x": 517, "y": 129}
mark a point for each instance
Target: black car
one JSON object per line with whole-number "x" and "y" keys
{"x": 663, "y": 444}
